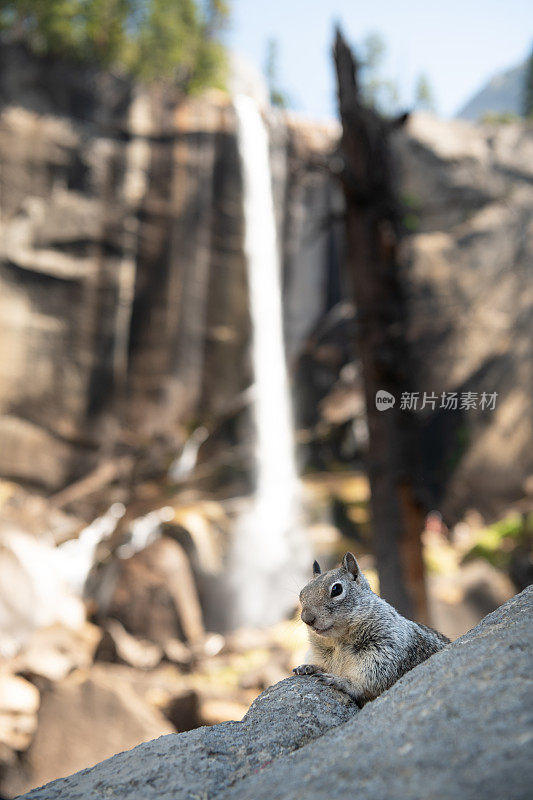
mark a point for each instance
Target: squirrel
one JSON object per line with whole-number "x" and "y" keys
{"x": 359, "y": 643}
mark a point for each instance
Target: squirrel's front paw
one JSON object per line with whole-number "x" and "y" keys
{"x": 329, "y": 680}
{"x": 307, "y": 669}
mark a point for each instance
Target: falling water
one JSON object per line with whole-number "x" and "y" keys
{"x": 268, "y": 547}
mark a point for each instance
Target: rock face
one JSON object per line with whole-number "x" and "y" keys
{"x": 124, "y": 301}
{"x": 459, "y": 725}
{"x": 468, "y": 274}
{"x": 123, "y": 291}
{"x": 60, "y": 259}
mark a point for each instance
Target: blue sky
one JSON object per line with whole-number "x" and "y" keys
{"x": 457, "y": 44}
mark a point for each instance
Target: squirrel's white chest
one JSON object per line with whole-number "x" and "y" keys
{"x": 341, "y": 660}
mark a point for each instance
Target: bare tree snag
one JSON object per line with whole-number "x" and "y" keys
{"x": 372, "y": 229}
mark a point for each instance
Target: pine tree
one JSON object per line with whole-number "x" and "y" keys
{"x": 277, "y": 96}
{"x": 177, "y": 40}
{"x": 379, "y": 92}
{"x": 424, "y": 94}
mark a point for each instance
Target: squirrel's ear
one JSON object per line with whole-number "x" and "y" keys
{"x": 350, "y": 564}
{"x": 316, "y": 568}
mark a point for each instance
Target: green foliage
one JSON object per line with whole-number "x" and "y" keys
{"x": 176, "y": 40}
{"x": 528, "y": 89}
{"x": 499, "y": 118}
{"x": 497, "y": 542}
{"x": 381, "y": 92}
{"x": 412, "y": 207}
{"x": 411, "y": 222}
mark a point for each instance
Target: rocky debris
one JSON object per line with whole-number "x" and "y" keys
{"x": 96, "y": 671}
{"x": 117, "y": 645}
{"x": 29, "y": 511}
{"x": 19, "y": 703}
{"x": 458, "y": 599}
{"x": 83, "y": 719}
{"x": 458, "y": 725}
{"x": 153, "y": 594}
{"x": 52, "y": 653}
{"x": 177, "y": 652}
{"x": 186, "y": 682}
{"x": 183, "y": 711}
{"x": 47, "y": 657}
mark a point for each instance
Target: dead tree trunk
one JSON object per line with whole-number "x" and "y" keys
{"x": 372, "y": 216}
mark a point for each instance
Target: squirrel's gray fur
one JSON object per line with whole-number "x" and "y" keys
{"x": 359, "y": 643}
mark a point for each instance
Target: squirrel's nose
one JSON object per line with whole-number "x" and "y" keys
{"x": 308, "y": 617}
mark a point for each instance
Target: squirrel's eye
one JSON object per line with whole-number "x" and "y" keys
{"x": 336, "y": 590}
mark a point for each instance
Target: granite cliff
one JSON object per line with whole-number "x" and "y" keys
{"x": 124, "y": 305}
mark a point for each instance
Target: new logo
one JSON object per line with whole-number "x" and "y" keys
{"x": 384, "y": 400}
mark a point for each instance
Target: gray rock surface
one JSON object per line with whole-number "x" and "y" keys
{"x": 458, "y": 726}
{"x": 203, "y": 762}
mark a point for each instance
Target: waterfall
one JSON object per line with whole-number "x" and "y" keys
{"x": 269, "y": 549}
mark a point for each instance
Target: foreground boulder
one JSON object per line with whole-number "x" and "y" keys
{"x": 202, "y": 762}
{"x": 83, "y": 719}
{"x": 458, "y": 726}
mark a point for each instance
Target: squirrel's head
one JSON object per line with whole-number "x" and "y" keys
{"x": 329, "y": 601}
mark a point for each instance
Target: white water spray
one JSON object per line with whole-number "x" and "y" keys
{"x": 268, "y": 546}
{"x": 184, "y": 464}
